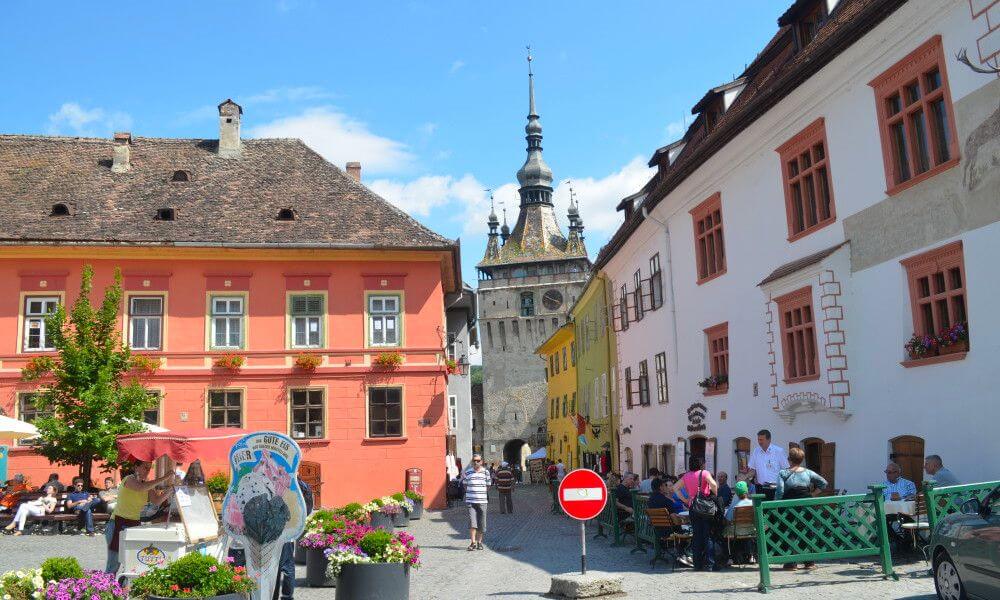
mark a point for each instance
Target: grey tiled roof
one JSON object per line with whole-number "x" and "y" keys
{"x": 799, "y": 264}
{"x": 228, "y": 201}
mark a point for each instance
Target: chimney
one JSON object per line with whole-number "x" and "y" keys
{"x": 123, "y": 152}
{"x": 354, "y": 170}
{"x": 229, "y": 129}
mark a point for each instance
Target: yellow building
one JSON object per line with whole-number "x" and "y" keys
{"x": 559, "y": 354}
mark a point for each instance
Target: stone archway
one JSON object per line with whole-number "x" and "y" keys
{"x": 515, "y": 451}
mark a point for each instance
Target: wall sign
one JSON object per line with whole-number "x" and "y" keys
{"x": 696, "y": 417}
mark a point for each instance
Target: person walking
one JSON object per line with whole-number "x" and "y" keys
{"x": 798, "y": 482}
{"x": 766, "y": 460}
{"x": 33, "y": 508}
{"x": 698, "y": 482}
{"x": 504, "y": 480}
{"x": 477, "y": 481}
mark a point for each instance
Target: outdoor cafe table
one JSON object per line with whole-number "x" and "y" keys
{"x": 900, "y": 507}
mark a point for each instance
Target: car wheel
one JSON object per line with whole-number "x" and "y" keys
{"x": 948, "y": 584}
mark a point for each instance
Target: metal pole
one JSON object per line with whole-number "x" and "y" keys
{"x": 583, "y": 547}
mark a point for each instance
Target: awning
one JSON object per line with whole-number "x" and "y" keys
{"x": 540, "y": 453}
{"x": 213, "y": 444}
{"x": 13, "y": 429}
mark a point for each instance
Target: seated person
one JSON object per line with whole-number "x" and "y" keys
{"x": 725, "y": 492}
{"x": 623, "y": 495}
{"x": 740, "y": 498}
{"x": 83, "y": 503}
{"x": 12, "y": 494}
{"x": 660, "y": 498}
{"x": 646, "y": 485}
{"x": 33, "y": 508}
{"x": 54, "y": 482}
{"x": 896, "y": 486}
{"x": 108, "y": 496}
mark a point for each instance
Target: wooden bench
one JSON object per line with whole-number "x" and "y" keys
{"x": 62, "y": 519}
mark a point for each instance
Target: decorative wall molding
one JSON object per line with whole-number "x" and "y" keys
{"x": 792, "y": 405}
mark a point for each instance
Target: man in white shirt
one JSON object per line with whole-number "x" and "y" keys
{"x": 766, "y": 460}
{"x": 560, "y": 471}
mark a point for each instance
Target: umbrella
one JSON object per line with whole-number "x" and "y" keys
{"x": 540, "y": 453}
{"x": 212, "y": 444}
{"x": 15, "y": 429}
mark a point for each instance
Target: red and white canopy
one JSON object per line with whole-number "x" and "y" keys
{"x": 211, "y": 445}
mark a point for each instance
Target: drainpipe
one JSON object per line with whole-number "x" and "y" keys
{"x": 670, "y": 280}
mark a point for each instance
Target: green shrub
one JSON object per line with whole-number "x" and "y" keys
{"x": 58, "y": 568}
{"x": 333, "y": 526}
{"x": 192, "y": 576}
{"x": 414, "y": 496}
{"x": 375, "y": 542}
{"x": 398, "y": 496}
{"x": 352, "y": 512}
{"x": 378, "y": 502}
{"x": 218, "y": 483}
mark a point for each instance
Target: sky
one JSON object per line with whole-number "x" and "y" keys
{"x": 431, "y": 97}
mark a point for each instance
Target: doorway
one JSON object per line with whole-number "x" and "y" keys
{"x": 667, "y": 459}
{"x": 648, "y": 459}
{"x": 821, "y": 457}
{"x": 908, "y": 452}
{"x": 513, "y": 453}
{"x": 310, "y": 472}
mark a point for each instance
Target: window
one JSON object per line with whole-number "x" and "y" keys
{"x": 660, "y": 360}
{"x": 383, "y": 315}
{"x": 643, "y": 383}
{"x": 623, "y": 307}
{"x": 306, "y": 320}
{"x": 572, "y": 406}
{"x": 145, "y": 314}
{"x": 227, "y": 322}
{"x": 27, "y": 411}
{"x": 916, "y": 121}
{"x": 165, "y": 214}
{"x": 805, "y": 169}
{"x": 286, "y": 214}
{"x": 307, "y": 414}
{"x": 552, "y": 364}
{"x": 709, "y": 247}
{"x": 180, "y": 176}
{"x": 572, "y": 353}
{"x": 151, "y": 416}
{"x": 527, "y": 304}
{"x": 225, "y": 408}
{"x": 655, "y": 283}
{"x": 452, "y": 342}
{"x": 937, "y": 288}
{"x": 385, "y": 412}
{"x": 452, "y": 413}
{"x": 628, "y": 387}
{"x": 809, "y": 23}
{"x": 565, "y": 405}
{"x": 798, "y": 335}
{"x": 35, "y": 310}
{"x": 564, "y": 358}
{"x": 59, "y": 210}
{"x": 637, "y": 280}
{"x": 718, "y": 350}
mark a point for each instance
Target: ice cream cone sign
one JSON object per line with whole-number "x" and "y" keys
{"x": 264, "y": 508}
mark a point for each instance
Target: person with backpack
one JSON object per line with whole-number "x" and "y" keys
{"x": 798, "y": 482}
{"x": 703, "y": 511}
{"x": 504, "y": 480}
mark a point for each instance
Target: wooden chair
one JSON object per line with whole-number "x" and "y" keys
{"x": 659, "y": 518}
{"x": 920, "y": 521}
{"x": 742, "y": 527}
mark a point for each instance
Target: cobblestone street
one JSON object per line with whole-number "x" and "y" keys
{"x": 524, "y": 549}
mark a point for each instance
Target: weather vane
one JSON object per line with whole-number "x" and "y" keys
{"x": 528, "y": 47}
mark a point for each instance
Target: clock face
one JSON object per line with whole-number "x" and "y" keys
{"x": 552, "y": 299}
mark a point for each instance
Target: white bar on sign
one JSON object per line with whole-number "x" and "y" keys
{"x": 574, "y": 494}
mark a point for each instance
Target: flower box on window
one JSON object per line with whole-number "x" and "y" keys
{"x": 388, "y": 360}
{"x": 952, "y": 340}
{"x": 308, "y": 362}
{"x": 714, "y": 384}
{"x": 233, "y": 362}
{"x": 146, "y": 365}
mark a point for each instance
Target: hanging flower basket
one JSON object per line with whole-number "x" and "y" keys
{"x": 308, "y": 362}
{"x": 233, "y": 362}
{"x": 146, "y": 365}
{"x": 388, "y": 360}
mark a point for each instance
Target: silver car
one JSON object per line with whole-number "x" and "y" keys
{"x": 965, "y": 550}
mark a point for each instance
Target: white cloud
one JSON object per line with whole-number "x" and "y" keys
{"x": 289, "y": 94}
{"x": 675, "y": 130}
{"x": 74, "y": 119}
{"x": 455, "y": 66}
{"x": 339, "y": 139}
{"x": 422, "y": 195}
{"x": 598, "y": 197}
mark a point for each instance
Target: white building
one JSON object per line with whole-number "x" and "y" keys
{"x": 796, "y": 254}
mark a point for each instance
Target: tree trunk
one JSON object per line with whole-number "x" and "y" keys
{"x": 86, "y": 466}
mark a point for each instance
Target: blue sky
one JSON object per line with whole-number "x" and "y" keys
{"x": 431, "y": 97}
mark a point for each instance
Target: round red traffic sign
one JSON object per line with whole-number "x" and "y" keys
{"x": 582, "y": 494}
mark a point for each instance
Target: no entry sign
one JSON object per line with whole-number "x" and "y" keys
{"x": 582, "y": 494}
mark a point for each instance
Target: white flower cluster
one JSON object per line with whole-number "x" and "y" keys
{"x": 32, "y": 577}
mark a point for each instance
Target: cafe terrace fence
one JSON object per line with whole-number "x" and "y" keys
{"x": 608, "y": 521}
{"x": 813, "y": 529}
{"x": 944, "y": 501}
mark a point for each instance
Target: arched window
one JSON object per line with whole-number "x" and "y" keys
{"x": 527, "y": 304}
{"x": 60, "y": 210}
{"x": 628, "y": 461}
{"x": 286, "y": 214}
{"x": 180, "y": 176}
{"x": 165, "y": 214}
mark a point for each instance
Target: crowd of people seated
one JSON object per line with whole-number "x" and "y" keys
{"x": 55, "y": 504}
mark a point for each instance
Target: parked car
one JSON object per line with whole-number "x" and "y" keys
{"x": 965, "y": 550}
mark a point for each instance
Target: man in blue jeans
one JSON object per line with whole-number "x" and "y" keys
{"x": 82, "y": 503}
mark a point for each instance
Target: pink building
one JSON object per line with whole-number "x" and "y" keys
{"x": 257, "y": 248}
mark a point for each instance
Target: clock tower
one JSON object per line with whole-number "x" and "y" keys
{"x": 528, "y": 280}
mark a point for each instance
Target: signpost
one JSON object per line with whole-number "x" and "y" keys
{"x": 582, "y": 496}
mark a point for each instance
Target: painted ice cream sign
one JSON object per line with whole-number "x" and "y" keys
{"x": 264, "y": 507}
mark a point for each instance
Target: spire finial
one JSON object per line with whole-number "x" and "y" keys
{"x": 531, "y": 87}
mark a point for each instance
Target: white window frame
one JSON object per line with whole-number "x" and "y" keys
{"x": 227, "y": 317}
{"x": 36, "y": 320}
{"x": 379, "y": 318}
{"x": 452, "y": 412}
{"x": 146, "y": 320}
{"x": 305, "y": 320}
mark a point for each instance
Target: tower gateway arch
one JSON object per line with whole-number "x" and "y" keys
{"x": 529, "y": 278}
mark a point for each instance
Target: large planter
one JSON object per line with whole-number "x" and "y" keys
{"x": 300, "y": 554}
{"x": 381, "y": 521}
{"x": 961, "y": 346}
{"x": 418, "y": 510}
{"x": 401, "y": 519}
{"x": 316, "y": 568}
{"x": 374, "y": 581}
{"x": 222, "y": 597}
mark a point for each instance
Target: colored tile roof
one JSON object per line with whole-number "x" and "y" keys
{"x": 799, "y": 264}
{"x": 228, "y": 201}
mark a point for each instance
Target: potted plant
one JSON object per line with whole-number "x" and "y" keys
{"x": 920, "y": 346}
{"x": 26, "y": 584}
{"x": 377, "y": 566}
{"x": 400, "y": 514}
{"x": 233, "y": 362}
{"x": 194, "y": 576}
{"x": 714, "y": 382}
{"x": 388, "y": 360}
{"x": 58, "y": 568}
{"x": 377, "y": 517}
{"x": 954, "y": 339}
{"x": 218, "y": 485}
{"x": 352, "y": 512}
{"x": 147, "y": 365}
{"x": 308, "y": 362}
{"x": 315, "y": 544}
{"x": 418, "y": 504}
{"x": 93, "y": 585}
{"x": 450, "y": 366}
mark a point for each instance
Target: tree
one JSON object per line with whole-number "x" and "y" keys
{"x": 88, "y": 397}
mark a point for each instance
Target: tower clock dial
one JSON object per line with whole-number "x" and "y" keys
{"x": 552, "y": 299}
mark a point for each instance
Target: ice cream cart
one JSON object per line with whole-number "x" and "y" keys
{"x": 192, "y": 524}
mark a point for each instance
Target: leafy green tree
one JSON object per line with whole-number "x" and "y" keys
{"x": 87, "y": 392}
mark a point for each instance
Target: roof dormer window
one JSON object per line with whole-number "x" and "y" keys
{"x": 60, "y": 210}
{"x": 805, "y": 18}
{"x": 165, "y": 214}
{"x": 286, "y": 214}
{"x": 181, "y": 176}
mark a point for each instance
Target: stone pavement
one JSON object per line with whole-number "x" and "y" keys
{"x": 525, "y": 548}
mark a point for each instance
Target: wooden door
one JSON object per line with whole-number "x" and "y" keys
{"x": 310, "y": 473}
{"x": 908, "y": 453}
{"x": 828, "y": 464}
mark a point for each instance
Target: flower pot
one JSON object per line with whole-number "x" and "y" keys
{"x": 400, "y": 519}
{"x": 960, "y": 346}
{"x": 300, "y": 554}
{"x": 316, "y": 568}
{"x": 374, "y": 581}
{"x": 222, "y": 597}
{"x": 418, "y": 510}
{"x": 381, "y": 521}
